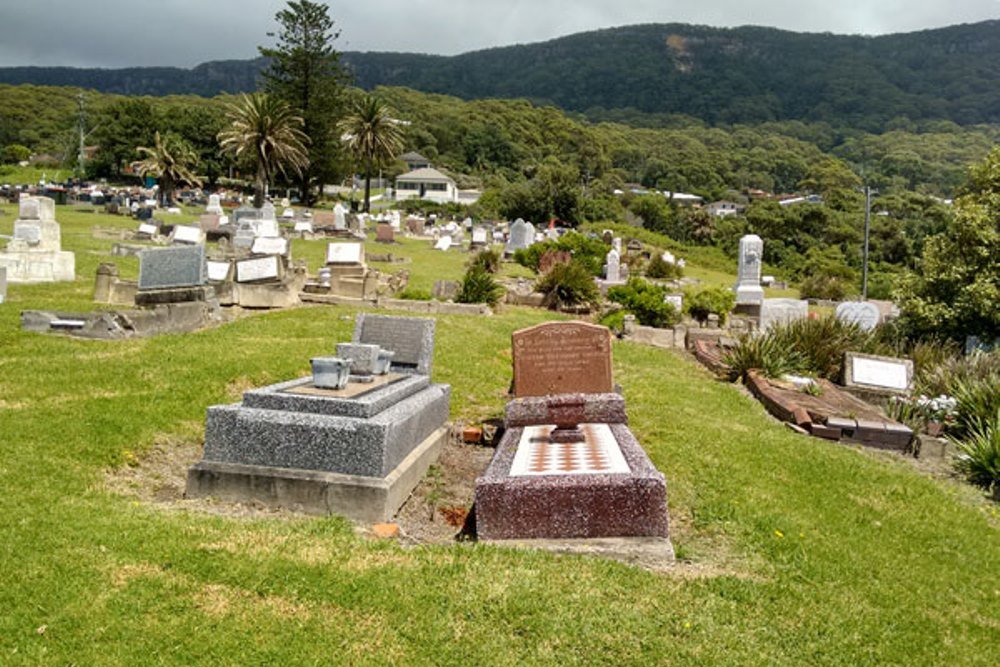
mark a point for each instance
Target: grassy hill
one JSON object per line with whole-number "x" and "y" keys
{"x": 792, "y": 550}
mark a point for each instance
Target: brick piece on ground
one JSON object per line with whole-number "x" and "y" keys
{"x": 826, "y": 432}
{"x": 846, "y": 425}
{"x": 386, "y": 530}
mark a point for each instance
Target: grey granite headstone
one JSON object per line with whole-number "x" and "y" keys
{"x": 519, "y": 236}
{"x": 782, "y": 311}
{"x": 410, "y": 338}
{"x": 865, "y": 315}
{"x": 165, "y": 268}
{"x": 246, "y": 213}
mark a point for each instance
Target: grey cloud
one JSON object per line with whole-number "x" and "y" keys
{"x": 120, "y": 33}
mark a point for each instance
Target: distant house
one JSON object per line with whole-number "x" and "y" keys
{"x": 415, "y": 161}
{"x": 807, "y": 199}
{"x": 683, "y": 198}
{"x": 428, "y": 184}
{"x": 721, "y": 209}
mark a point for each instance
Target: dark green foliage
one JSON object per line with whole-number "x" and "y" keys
{"x": 956, "y": 290}
{"x": 701, "y": 303}
{"x": 569, "y": 285}
{"x": 304, "y": 70}
{"x": 588, "y": 252}
{"x": 645, "y": 300}
{"x": 488, "y": 260}
{"x": 478, "y": 286}
{"x": 656, "y": 213}
{"x": 614, "y": 320}
{"x": 768, "y": 354}
{"x": 822, "y": 343}
{"x": 978, "y": 401}
{"x": 414, "y": 294}
{"x": 661, "y": 269}
{"x": 978, "y": 456}
{"x": 14, "y": 153}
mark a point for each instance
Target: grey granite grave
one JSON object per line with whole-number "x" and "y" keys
{"x": 863, "y": 313}
{"x": 358, "y": 451}
{"x": 167, "y": 268}
{"x": 782, "y": 311}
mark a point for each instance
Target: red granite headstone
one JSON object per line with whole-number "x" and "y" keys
{"x": 384, "y": 233}
{"x": 562, "y": 358}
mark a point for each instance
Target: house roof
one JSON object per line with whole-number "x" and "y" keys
{"x": 413, "y": 157}
{"x": 426, "y": 175}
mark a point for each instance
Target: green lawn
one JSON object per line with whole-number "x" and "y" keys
{"x": 794, "y": 551}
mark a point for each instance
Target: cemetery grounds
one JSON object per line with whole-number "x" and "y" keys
{"x": 791, "y": 550}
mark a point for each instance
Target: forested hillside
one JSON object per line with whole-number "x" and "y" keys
{"x": 718, "y": 75}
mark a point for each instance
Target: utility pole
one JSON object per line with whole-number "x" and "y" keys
{"x": 868, "y": 224}
{"x": 82, "y": 120}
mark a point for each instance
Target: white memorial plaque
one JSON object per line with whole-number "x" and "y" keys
{"x": 675, "y": 300}
{"x": 146, "y": 228}
{"x": 345, "y": 253}
{"x": 443, "y": 243}
{"x": 218, "y": 271}
{"x": 304, "y": 227}
{"x": 877, "y": 373}
{"x": 185, "y": 234}
{"x": 479, "y": 235}
{"x": 270, "y": 246}
{"x": 261, "y": 268}
{"x": 598, "y": 454}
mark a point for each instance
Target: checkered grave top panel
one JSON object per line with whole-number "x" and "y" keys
{"x": 599, "y": 454}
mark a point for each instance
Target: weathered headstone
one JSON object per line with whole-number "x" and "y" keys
{"x": 520, "y": 236}
{"x": 304, "y": 227}
{"x": 345, "y": 253}
{"x": 445, "y": 290}
{"x": 270, "y": 246}
{"x": 616, "y": 245}
{"x": 479, "y": 236}
{"x": 384, "y": 233}
{"x": 782, "y": 311}
{"x": 147, "y": 230}
{"x": 410, "y": 338}
{"x": 612, "y": 266}
{"x": 214, "y": 205}
{"x": 245, "y": 235}
{"x": 748, "y": 289}
{"x": 339, "y": 216}
{"x": 864, "y": 314}
{"x": 880, "y": 374}
{"x": 209, "y": 222}
{"x": 258, "y": 268}
{"x": 165, "y": 268}
{"x": 187, "y": 234}
{"x": 562, "y": 358}
{"x": 219, "y": 271}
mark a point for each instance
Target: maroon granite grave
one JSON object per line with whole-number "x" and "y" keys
{"x": 568, "y": 466}
{"x": 384, "y": 233}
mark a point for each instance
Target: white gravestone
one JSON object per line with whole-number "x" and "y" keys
{"x": 3, "y": 284}
{"x": 214, "y": 205}
{"x": 260, "y": 268}
{"x": 616, "y": 245}
{"x": 443, "y": 243}
{"x": 479, "y": 236}
{"x": 865, "y": 315}
{"x": 270, "y": 246}
{"x": 339, "y": 216}
{"x": 345, "y": 253}
{"x": 189, "y": 235}
{"x": 218, "y": 271}
{"x": 148, "y": 229}
{"x": 613, "y": 267}
{"x": 748, "y": 289}
{"x": 675, "y": 300}
{"x": 782, "y": 311}
{"x": 304, "y": 227}
{"x": 886, "y": 374}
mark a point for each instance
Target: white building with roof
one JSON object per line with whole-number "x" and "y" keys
{"x": 427, "y": 183}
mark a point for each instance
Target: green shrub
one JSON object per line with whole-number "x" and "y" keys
{"x": 661, "y": 269}
{"x": 939, "y": 375}
{"x": 645, "y": 300}
{"x": 587, "y": 251}
{"x": 478, "y": 286}
{"x": 978, "y": 456}
{"x": 822, "y": 342}
{"x": 569, "y": 285}
{"x": 978, "y": 401}
{"x": 824, "y": 287}
{"x": 704, "y": 302}
{"x": 487, "y": 259}
{"x": 414, "y": 294}
{"x": 765, "y": 353}
{"x": 614, "y": 320}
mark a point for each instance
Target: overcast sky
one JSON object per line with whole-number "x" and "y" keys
{"x": 121, "y": 33}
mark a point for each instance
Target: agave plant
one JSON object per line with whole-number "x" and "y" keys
{"x": 979, "y": 454}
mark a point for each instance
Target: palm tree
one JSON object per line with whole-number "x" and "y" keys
{"x": 267, "y": 131}
{"x": 169, "y": 160}
{"x": 372, "y": 135}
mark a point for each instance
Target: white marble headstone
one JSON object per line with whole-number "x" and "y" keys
{"x": 218, "y": 271}
{"x": 187, "y": 234}
{"x": 259, "y": 268}
{"x": 782, "y": 311}
{"x": 345, "y": 253}
{"x": 748, "y": 289}
{"x": 864, "y": 314}
{"x": 269, "y": 246}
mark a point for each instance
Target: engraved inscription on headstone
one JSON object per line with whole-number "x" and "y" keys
{"x": 880, "y": 373}
{"x": 164, "y": 268}
{"x": 562, "y": 358}
{"x": 410, "y": 338}
{"x": 260, "y": 268}
{"x": 270, "y": 246}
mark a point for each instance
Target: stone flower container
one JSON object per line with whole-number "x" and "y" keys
{"x": 330, "y": 372}
{"x": 383, "y": 361}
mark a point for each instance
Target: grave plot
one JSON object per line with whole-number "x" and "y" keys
{"x": 568, "y": 466}
{"x": 354, "y": 445}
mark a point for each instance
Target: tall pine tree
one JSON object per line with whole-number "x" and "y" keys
{"x": 306, "y": 72}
